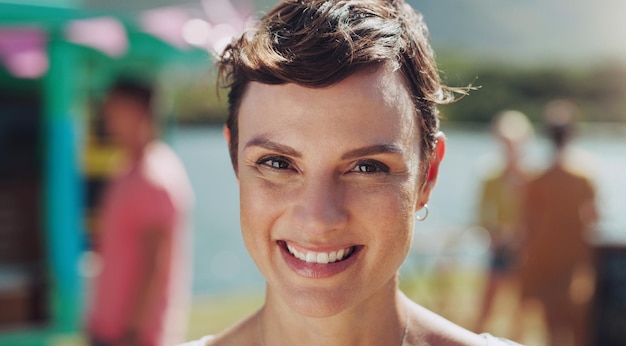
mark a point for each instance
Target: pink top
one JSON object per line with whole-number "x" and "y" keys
{"x": 153, "y": 195}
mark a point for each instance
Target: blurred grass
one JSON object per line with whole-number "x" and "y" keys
{"x": 213, "y": 313}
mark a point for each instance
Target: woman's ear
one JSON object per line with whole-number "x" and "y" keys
{"x": 433, "y": 170}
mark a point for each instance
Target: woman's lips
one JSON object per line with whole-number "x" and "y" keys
{"x": 317, "y": 264}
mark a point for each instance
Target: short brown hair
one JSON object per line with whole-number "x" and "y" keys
{"x": 318, "y": 43}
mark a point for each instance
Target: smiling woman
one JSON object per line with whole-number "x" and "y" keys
{"x": 333, "y": 135}
{"x": 341, "y": 176}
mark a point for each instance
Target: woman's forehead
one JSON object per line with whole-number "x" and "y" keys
{"x": 364, "y": 109}
{"x": 381, "y": 89}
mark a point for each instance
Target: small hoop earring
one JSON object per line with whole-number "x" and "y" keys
{"x": 422, "y": 218}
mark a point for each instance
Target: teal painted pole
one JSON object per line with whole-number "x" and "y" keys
{"x": 63, "y": 193}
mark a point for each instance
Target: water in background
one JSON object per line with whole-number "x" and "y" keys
{"x": 221, "y": 262}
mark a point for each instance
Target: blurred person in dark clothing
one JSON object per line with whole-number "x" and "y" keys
{"x": 141, "y": 295}
{"x": 559, "y": 212}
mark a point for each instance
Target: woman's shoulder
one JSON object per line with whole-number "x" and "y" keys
{"x": 436, "y": 330}
{"x": 490, "y": 340}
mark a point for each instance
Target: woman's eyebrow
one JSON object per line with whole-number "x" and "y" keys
{"x": 273, "y": 146}
{"x": 372, "y": 150}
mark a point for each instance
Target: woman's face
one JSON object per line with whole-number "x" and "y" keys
{"x": 329, "y": 183}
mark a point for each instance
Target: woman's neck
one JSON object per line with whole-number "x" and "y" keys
{"x": 380, "y": 319}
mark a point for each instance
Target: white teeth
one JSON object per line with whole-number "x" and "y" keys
{"x": 340, "y": 254}
{"x": 311, "y": 257}
{"x": 320, "y": 257}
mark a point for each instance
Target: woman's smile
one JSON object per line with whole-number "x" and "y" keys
{"x": 318, "y": 264}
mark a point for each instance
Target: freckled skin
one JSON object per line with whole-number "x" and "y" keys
{"x": 310, "y": 191}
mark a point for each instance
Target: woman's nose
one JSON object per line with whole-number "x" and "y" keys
{"x": 320, "y": 207}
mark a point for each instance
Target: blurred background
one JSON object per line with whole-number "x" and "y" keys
{"x": 57, "y": 57}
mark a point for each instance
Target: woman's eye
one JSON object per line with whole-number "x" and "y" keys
{"x": 275, "y": 163}
{"x": 370, "y": 167}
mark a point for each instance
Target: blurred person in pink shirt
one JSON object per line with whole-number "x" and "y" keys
{"x": 141, "y": 294}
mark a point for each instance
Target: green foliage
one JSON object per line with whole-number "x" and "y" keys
{"x": 202, "y": 102}
{"x": 600, "y": 90}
